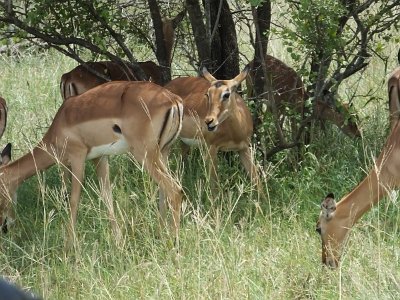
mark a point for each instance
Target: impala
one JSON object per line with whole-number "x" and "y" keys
{"x": 336, "y": 219}
{"x": 214, "y": 113}
{"x": 80, "y": 79}
{"x": 289, "y": 92}
{"x": 141, "y": 118}
{"x": 5, "y": 155}
{"x": 91, "y": 74}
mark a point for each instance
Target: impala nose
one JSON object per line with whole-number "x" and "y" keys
{"x": 209, "y": 122}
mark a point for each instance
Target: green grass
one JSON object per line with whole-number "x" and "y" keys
{"x": 232, "y": 247}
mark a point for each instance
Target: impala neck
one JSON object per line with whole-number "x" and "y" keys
{"x": 28, "y": 165}
{"x": 235, "y": 114}
{"x": 363, "y": 197}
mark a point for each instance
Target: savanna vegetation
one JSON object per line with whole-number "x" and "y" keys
{"x": 239, "y": 244}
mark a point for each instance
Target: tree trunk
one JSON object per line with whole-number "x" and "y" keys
{"x": 162, "y": 54}
{"x": 201, "y": 38}
{"x": 225, "y": 52}
{"x": 262, "y": 20}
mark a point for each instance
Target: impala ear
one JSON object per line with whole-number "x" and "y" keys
{"x": 6, "y": 155}
{"x": 207, "y": 75}
{"x": 242, "y": 76}
{"x": 328, "y": 207}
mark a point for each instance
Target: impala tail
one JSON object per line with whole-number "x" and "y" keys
{"x": 172, "y": 126}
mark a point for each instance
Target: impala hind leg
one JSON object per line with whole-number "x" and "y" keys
{"x": 170, "y": 191}
{"x": 103, "y": 175}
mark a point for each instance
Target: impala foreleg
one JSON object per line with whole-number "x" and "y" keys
{"x": 103, "y": 175}
{"x": 247, "y": 160}
{"x": 212, "y": 169}
{"x": 78, "y": 172}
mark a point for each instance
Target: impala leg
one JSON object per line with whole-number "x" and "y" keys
{"x": 247, "y": 160}
{"x": 103, "y": 175}
{"x": 162, "y": 202}
{"x": 169, "y": 188}
{"x": 78, "y": 172}
{"x": 65, "y": 180}
{"x": 212, "y": 169}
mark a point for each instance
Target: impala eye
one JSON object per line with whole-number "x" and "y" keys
{"x": 225, "y": 96}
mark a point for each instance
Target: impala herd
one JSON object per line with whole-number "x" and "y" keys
{"x": 100, "y": 118}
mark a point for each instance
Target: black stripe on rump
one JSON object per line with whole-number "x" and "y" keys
{"x": 166, "y": 118}
{"x": 166, "y": 121}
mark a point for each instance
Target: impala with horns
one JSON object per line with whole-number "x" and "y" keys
{"x": 336, "y": 219}
{"x": 289, "y": 92}
{"x": 214, "y": 113}
{"x": 141, "y": 118}
{"x": 85, "y": 77}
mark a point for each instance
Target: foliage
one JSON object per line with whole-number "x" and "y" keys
{"x": 336, "y": 38}
{"x": 99, "y": 26}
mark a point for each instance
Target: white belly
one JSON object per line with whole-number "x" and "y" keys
{"x": 118, "y": 147}
{"x": 191, "y": 142}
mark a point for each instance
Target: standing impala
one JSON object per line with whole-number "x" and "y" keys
{"x": 137, "y": 117}
{"x": 216, "y": 114}
{"x": 336, "y": 219}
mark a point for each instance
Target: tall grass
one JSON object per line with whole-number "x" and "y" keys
{"x": 232, "y": 247}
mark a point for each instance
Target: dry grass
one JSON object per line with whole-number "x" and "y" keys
{"x": 233, "y": 247}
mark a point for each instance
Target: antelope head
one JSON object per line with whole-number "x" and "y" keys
{"x": 333, "y": 229}
{"x": 5, "y": 158}
{"x": 221, "y": 98}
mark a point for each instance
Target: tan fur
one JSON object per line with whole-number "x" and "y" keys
{"x": 203, "y": 107}
{"x": 334, "y": 224}
{"x": 80, "y": 79}
{"x": 145, "y": 116}
{"x": 289, "y": 92}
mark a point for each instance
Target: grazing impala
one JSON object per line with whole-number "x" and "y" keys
{"x": 80, "y": 79}
{"x": 289, "y": 92}
{"x": 216, "y": 114}
{"x": 137, "y": 117}
{"x": 336, "y": 219}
